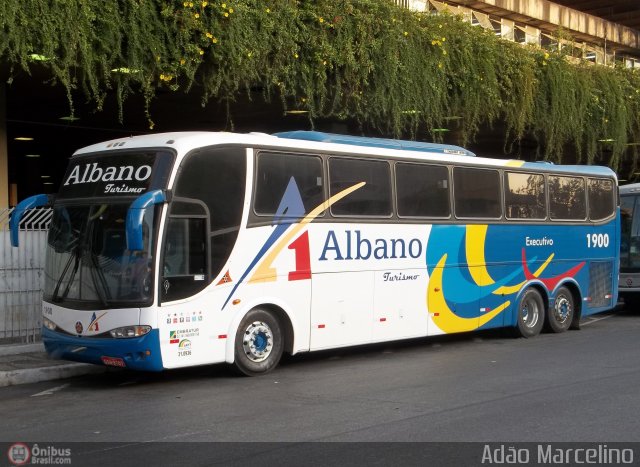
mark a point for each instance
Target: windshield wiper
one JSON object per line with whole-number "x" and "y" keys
{"x": 74, "y": 256}
{"x": 99, "y": 281}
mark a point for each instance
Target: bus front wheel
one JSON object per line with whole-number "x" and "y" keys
{"x": 560, "y": 315}
{"x": 258, "y": 344}
{"x": 530, "y": 313}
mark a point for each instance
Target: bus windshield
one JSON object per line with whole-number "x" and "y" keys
{"x": 88, "y": 264}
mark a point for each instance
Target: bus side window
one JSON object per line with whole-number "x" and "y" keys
{"x": 525, "y": 196}
{"x": 567, "y": 198}
{"x": 477, "y": 193}
{"x": 422, "y": 190}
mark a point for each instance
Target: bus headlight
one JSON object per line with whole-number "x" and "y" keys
{"x": 129, "y": 331}
{"x": 47, "y": 323}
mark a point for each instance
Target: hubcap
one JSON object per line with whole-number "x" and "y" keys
{"x": 530, "y": 313}
{"x": 562, "y": 309}
{"x": 257, "y": 342}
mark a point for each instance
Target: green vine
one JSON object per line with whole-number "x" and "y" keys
{"x": 390, "y": 69}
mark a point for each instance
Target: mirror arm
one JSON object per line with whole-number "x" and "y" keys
{"x": 135, "y": 216}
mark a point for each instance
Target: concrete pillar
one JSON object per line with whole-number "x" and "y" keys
{"x": 4, "y": 153}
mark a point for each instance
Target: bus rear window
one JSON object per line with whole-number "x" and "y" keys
{"x": 601, "y": 199}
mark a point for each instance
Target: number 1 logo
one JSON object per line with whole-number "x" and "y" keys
{"x": 303, "y": 258}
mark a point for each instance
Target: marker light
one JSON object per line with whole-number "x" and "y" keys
{"x": 129, "y": 331}
{"x": 47, "y": 323}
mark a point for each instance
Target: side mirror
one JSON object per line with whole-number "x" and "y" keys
{"x": 19, "y": 211}
{"x": 135, "y": 215}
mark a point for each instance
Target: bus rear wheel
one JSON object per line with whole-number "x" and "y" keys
{"x": 560, "y": 315}
{"x": 530, "y": 313}
{"x": 258, "y": 344}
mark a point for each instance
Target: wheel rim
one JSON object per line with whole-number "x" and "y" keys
{"x": 562, "y": 309}
{"x": 257, "y": 341}
{"x": 530, "y": 312}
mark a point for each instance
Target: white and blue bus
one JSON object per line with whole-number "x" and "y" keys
{"x": 179, "y": 249}
{"x": 630, "y": 244}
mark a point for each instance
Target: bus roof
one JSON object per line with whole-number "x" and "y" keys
{"x": 405, "y": 145}
{"x": 183, "y": 142}
{"x": 629, "y": 189}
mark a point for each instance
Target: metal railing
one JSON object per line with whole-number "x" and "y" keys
{"x": 21, "y": 276}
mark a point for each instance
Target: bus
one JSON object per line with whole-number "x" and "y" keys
{"x": 195, "y": 248}
{"x": 630, "y": 244}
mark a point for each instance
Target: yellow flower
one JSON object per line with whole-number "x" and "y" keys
{"x": 444, "y": 39}
{"x": 295, "y": 55}
{"x": 185, "y": 4}
{"x": 204, "y": 4}
{"x": 433, "y": 42}
{"x": 444, "y": 52}
{"x": 230, "y": 10}
{"x": 190, "y": 4}
{"x": 214, "y": 40}
{"x": 406, "y": 33}
{"x": 268, "y": 10}
{"x": 182, "y": 61}
{"x": 439, "y": 65}
{"x": 224, "y": 5}
{"x": 209, "y": 35}
{"x": 196, "y": 16}
{"x": 321, "y": 19}
{"x": 201, "y": 52}
{"x": 249, "y": 54}
{"x": 226, "y": 15}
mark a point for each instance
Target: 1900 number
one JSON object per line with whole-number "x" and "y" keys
{"x": 597, "y": 240}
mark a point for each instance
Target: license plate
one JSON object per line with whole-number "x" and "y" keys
{"x": 114, "y": 361}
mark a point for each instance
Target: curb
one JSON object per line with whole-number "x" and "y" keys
{"x": 36, "y": 375}
{"x": 16, "y": 349}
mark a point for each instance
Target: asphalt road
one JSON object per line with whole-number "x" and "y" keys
{"x": 580, "y": 386}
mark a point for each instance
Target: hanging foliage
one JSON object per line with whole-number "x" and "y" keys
{"x": 398, "y": 71}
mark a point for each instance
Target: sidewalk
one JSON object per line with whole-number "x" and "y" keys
{"x": 28, "y": 363}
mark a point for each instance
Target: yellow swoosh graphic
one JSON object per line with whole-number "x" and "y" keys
{"x": 264, "y": 271}
{"x": 446, "y": 319}
{"x": 474, "y": 245}
{"x": 514, "y": 163}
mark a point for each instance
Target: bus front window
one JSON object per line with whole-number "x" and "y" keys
{"x": 88, "y": 264}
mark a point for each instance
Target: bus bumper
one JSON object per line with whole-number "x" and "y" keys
{"x": 137, "y": 353}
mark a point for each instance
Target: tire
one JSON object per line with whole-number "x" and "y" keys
{"x": 530, "y": 313}
{"x": 560, "y": 315}
{"x": 258, "y": 344}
